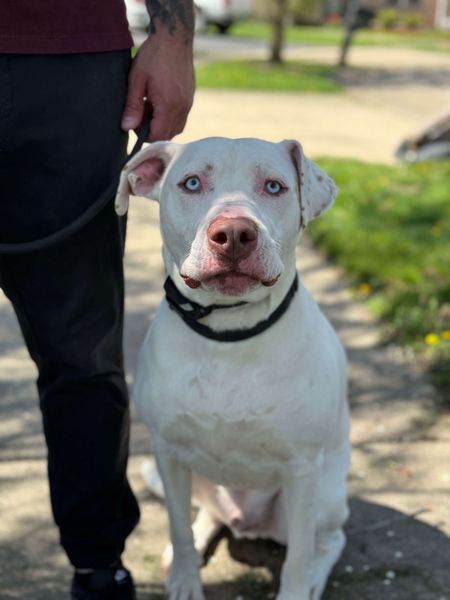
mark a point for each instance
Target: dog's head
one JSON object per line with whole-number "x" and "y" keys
{"x": 231, "y": 210}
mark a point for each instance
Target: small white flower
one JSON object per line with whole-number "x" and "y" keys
{"x": 348, "y": 569}
{"x": 390, "y": 533}
{"x": 386, "y": 582}
{"x": 398, "y": 554}
{"x": 335, "y": 584}
{"x": 390, "y": 574}
{"x": 366, "y": 568}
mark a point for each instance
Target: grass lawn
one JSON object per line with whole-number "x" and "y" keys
{"x": 291, "y": 76}
{"x": 390, "y": 230}
{"x": 332, "y": 36}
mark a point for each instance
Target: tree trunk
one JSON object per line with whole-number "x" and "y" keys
{"x": 278, "y": 18}
{"x": 350, "y": 21}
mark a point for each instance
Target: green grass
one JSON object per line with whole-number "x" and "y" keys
{"x": 390, "y": 230}
{"x": 261, "y": 75}
{"x": 332, "y": 36}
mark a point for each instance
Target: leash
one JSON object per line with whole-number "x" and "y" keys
{"x": 87, "y": 216}
{"x": 194, "y": 312}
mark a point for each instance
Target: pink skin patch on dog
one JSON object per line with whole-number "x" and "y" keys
{"x": 230, "y": 278}
{"x": 192, "y": 283}
{"x": 146, "y": 175}
{"x": 263, "y": 178}
{"x": 232, "y": 283}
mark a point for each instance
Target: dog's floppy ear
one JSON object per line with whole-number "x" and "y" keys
{"x": 317, "y": 190}
{"x": 142, "y": 175}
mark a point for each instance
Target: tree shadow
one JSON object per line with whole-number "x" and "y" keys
{"x": 388, "y": 555}
{"x": 356, "y": 77}
{"x": 383, "y": 545}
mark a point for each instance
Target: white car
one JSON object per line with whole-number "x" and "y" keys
{"x": 137, "y": 14}
{"x": 221, "y": 13}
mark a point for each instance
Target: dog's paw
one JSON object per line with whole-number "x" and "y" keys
{"x": 185, "y": 587}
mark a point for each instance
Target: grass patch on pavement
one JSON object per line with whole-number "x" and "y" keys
{"x": 438, "y": 41}
{"x": 292, "y": 76}
{"x": 390, "y": 230}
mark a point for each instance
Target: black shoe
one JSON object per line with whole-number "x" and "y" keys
{"x": 113, "y": 583}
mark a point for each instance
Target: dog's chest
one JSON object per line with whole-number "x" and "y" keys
{"x": 237, "y": 417}
{"x": 229, "y": 430}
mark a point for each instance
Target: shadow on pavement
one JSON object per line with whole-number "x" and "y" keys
{"x": 368, "y": 77}
{"x": 389, "y": 555}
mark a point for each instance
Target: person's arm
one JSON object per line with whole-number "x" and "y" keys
{"x": 162, "y": 71}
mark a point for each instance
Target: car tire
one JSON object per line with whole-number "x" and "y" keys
{"x": 223, "y": 28}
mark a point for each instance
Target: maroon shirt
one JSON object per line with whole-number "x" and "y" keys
{"x": 63, "y": 26}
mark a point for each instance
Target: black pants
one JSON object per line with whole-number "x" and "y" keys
{"x": 60, "y": 145}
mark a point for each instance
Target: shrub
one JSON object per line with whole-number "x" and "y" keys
{"x": 388, "y": 18}
{"x": 412, "y": 20}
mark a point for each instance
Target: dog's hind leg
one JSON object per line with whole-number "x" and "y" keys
{"x": 205, "y": 528}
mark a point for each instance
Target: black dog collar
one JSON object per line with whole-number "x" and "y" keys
{"x": 191, "y": 312}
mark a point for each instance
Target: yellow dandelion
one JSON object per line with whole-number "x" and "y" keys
{"x": 364, "y": 288}
{"x": 436, "y": 230}
{"x": 445, "y": 335}
{"x": 431, "y": 339}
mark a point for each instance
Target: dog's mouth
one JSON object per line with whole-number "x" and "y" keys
{"x": 231, "y": 283}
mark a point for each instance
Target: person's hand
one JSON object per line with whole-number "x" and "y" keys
{"x": 161, "y": 81}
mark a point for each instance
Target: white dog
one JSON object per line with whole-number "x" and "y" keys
{"x": 241, "y": 379}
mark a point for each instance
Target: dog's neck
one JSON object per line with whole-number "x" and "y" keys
{"x": 234, "y": 321}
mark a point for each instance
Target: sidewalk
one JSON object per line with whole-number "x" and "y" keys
{"x": 391, "y": 92}
{"x": 401, "y": 456}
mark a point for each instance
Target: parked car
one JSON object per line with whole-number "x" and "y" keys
{"x": 137, "y": 14}
{"x": 221, "y": 13}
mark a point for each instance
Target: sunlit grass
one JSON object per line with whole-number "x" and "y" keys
{"x": 390, "y": 230}
{"x": 332, "y": 36}
{"x": 290, "y": 76}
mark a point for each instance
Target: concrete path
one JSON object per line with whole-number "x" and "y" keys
{"x": 390, "y": 93}
{"x": 397, "y": 535}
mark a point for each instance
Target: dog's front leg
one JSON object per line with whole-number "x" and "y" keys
{"x": 299, "y": 494}
{"x": 183, "y": 582}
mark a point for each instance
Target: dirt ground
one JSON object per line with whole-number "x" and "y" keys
{"x": 398, "y": 546}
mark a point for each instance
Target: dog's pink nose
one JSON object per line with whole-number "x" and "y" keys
{"x": 232, "y": 238}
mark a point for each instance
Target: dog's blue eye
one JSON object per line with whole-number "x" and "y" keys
{"x": 193, "y": 184}
{"x": 273, "y": 187}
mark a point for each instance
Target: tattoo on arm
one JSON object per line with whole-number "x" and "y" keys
{"x": 170, "y": 14}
